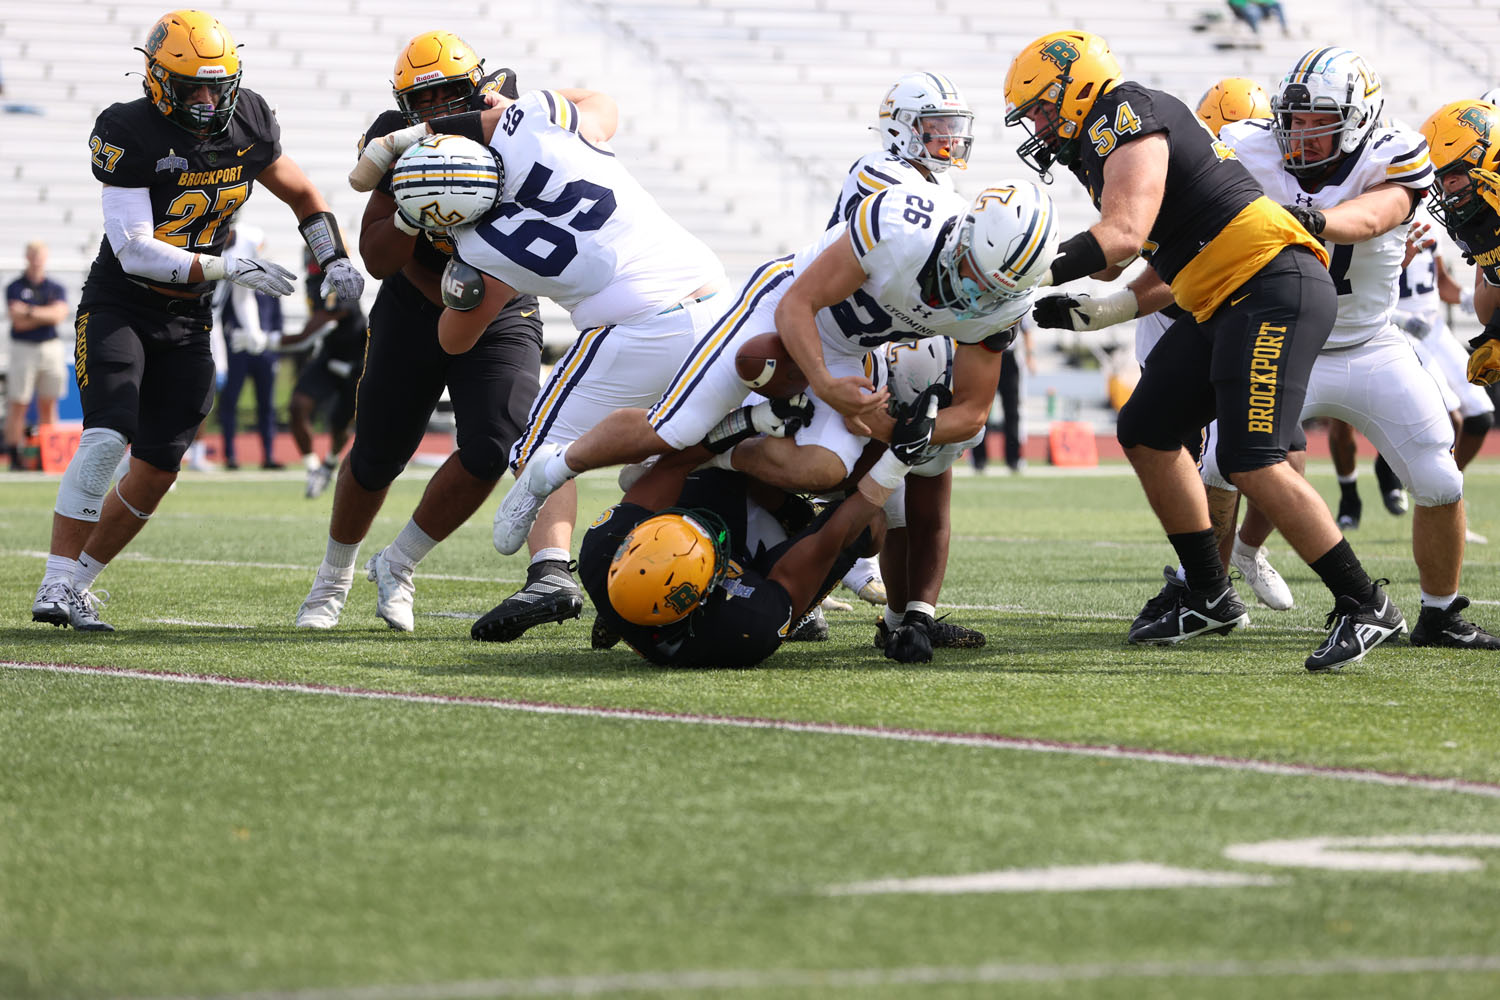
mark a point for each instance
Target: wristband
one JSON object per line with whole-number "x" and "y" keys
{"x": 214, "y": 268}
{"x": 321, "y": 233}
{"x": 734, "y": 428}
{"x": 470, "y": 125}
{"x": 1078, "y": 257}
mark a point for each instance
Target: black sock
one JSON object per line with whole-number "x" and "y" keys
{"x": 1198, "y": 551}
{"x": 1341, "y": 573}
{"x": 1349, "y": 491}
{"x": 1386, "y": 476}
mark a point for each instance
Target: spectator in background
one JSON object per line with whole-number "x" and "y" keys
{"x": 1246, "y": 11}
{"x": 329, "y": 379}
{"x": 1271, "y": 8}
{"x": 1009, "y": 390}
{"x": 36, "y": 304}
{"x": 251, "y": 323}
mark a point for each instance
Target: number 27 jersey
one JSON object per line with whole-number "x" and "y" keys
{"x": 573, "y": 224}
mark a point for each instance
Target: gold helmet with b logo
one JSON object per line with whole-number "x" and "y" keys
{"x": 666, "y": 566}
{"x": 1463, "y": 138}
{"x": 440, "y": 67}
{"x": 193, "y": 71}
{"x": 1051, "y": 86}
{"x": 1233, "y": 99}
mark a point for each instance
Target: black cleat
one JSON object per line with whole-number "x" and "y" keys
{"x": 812, "y": 628}
{"x": 1355, "y": 629}
{"x": 1448, "y": 628}
{"x": 600, "y": 636}
{"x": 1194, "y": 613}
{"x": 1164, "y": 601}
{"x": 550, "y": 595}
{"x": 943, "y": 634}
{"x": 911, "y": 641}
{"x": 1396, "y": 501}
{"x": 1350, "y": 508}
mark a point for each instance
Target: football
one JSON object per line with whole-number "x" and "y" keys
{"x": 763, "y": 364}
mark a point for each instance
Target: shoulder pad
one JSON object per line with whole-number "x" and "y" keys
{"x": 1402, "y": 154}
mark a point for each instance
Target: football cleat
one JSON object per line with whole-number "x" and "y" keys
{"x": 943, "y": 634}
{"x": 831, "y": 603}
{"x": 872, "y": 592}
{"x": 83, "y": 611}
{"x": 51, "y": 603}
{"x": 1396, "y": 501}
{"x": 1270, "y": 589}
{"x": 1350, "y": 509}
{"x": 1164, "y": 601}
{"x": 1447, "y": 627}
{"x": 812, "y": 628}
{"x": 517, "y": 512}
{"x": 394, "y": 590}
{"x": 550, "y": 595}
{"x": 911, "y": 641}
{"x": 601, "y": 636}
{"x": 1473, "y": 537}
{"x": 1194, "y": 613}
{"x": 1355, "y": 628}
{"x": 324, "y": 603}
{"x": 318, "y": 479}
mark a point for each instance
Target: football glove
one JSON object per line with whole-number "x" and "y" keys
{"x": 913, "y": 432}
{"x": 245, "y": 340}
{"x": 1079, "y": 311}
{"x": 782, "y": 417}
{"x": 378, "y": 155}
{"x": 343, "y": 279}
{"x": 1307, "y": 217}
{"x": 1487, "y": 185}
{"x": 252, "y": 272}
{"x": 403, "y": 224}
{"x": 1484, "y": 363}
{"x": 909, "y": 642}
{"x": 1414, "y": 324}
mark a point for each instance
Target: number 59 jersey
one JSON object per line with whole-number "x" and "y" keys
{"x": 573, "y": 225}
{"x": 896, "y": 234}
{"x": 1365, "y": 274}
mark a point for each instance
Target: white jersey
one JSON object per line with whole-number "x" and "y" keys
{"x": 1365, "y": 274}
{"x": 895, "y": 234}
{"x": 573, "y": 225}
{"x": 1418, "y": 287}
{"x": 873, "y": 173}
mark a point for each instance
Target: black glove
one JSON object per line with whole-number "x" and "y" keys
{"x": 913, "y": 432}
{"x": 1055, "y": 312}
{"x": 1308, "y": 218}
{"x": 909, "y": 642}
{"x": 793, "y": 414}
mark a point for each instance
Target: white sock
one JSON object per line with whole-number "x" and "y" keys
{"x": 87, "y": 572}
{"x": 412, "y": 545}
{"x": 1181, "y": 573}
{"x": 558, "y": 470}
{"x": 724, "y": 460}
{"x": 892, "y": 619}
{"x": 339, "y": 559}
{"x": 311, "y": 462}
{"x": 1244, "y": 551}
{"x": 1351, "y": 477}
{"x": 926, "y": 609}
{"x": 1434, "y": 601}
{"x": 550, "y": 555}
{"x": 60, "y": 569}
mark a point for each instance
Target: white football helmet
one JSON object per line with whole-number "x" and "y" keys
{"x": 912, "y": 367}
{"x": 924, "y": 108}
{"x": 1007, "y": 241}
{"x": 1491, "y": 96}
{"x": 446, "y": 181}
{"x": 1326, "y": 81}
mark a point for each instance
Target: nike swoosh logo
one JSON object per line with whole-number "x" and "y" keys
{"x": 528, "y": 313}
{"x": 1235, "y": 302}
{"x": 1215, "y": 602}
{"x": 1462, "y": 638}
{"x": 242, "y": 152}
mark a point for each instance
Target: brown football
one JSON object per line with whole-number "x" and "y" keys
{"x": 763, "y": 364}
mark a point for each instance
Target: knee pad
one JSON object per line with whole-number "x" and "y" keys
{"x": 895, "y": 509}
{"x": 372, "y": 472}
{"x": 80, "y": 495}
{"x": 483, "y": 459}
{"x": 1479, "y": 424}
{"x": 1434, "y": 479}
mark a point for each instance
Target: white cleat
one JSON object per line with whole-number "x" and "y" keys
{"x": 831, "y": 603}
{"x": 51, "y": 603}
{"x": 1270, "y": 589}
{"x": 325, "y": 601}
{"x": 1475, "y": 538}
{"x": 517, "y": 512}
{"x": 394, "y": 591}
{"x": 317, "y": 481}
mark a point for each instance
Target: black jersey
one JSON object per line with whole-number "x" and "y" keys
{"x": 196, "y": 184}
{"x": 739, "y": 624}
{"x": 346, "y": 341}
{"x": 1479, "y": 239}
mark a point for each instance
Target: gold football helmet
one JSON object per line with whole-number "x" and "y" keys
{"x": 436, "y": 74}
{"x": 1463, "y": 139}
{"x": 1233, "y": 99}
{"x": 666, "y": 566}
{"x": 193, "y": 71}
{"x": 1051, "y": 86}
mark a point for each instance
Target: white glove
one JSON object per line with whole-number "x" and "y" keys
{"x": 251, "y": 272}
{"x": 343, "y": 279}
{"x": 378, "y": 155}
{"x": 1415, "y": 325}
{"x": 248, "y": 340}
{"x": 1079, "y": 311}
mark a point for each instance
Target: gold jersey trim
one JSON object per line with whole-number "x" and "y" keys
{"x": 1244, "y": 246}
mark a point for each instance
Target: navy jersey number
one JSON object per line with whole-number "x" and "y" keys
{"x": 861, "y": 319}
{"x": 558, "y": 245}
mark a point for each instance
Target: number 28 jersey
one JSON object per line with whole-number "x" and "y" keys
{"x": 573, "y": 224}
{"x": 896, "y": 234}
{"x": 1365, "y": 274}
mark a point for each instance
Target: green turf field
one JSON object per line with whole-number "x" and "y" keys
{"x": 162, "y": 839}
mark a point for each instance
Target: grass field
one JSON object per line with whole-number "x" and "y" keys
{"x": 368, "y": 815}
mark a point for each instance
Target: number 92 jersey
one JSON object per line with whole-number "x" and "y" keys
{"x": 896, "y": 234}
{"x": 573, "y": 225}
{"x": 196, "y": 184}
{"x": 1365, "y": 274}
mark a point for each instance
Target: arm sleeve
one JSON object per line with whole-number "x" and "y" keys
{"x": 127, "y": 224}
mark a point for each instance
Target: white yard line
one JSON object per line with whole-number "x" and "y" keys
{"x": 991, "y": 741}
{"x": 697, "y": 981}
{"x": 235, "y": 564}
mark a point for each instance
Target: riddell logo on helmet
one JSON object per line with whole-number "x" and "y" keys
{"x": 211, "y": 71}
{"x": 435, "y": 74}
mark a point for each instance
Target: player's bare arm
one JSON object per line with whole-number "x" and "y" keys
{"x": 287, "y": 181}
{"x": 976, "y": 377}
{"x": 383, "y": 248}
{"x": 1135, "y": 181}
{"x": 1377, "y": 211}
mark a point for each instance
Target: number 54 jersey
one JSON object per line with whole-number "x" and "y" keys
{"x": 573, "y": 224}
{"x": 1367, "y": 274}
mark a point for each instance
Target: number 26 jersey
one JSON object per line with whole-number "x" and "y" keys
{"x": 573, "y": 224}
